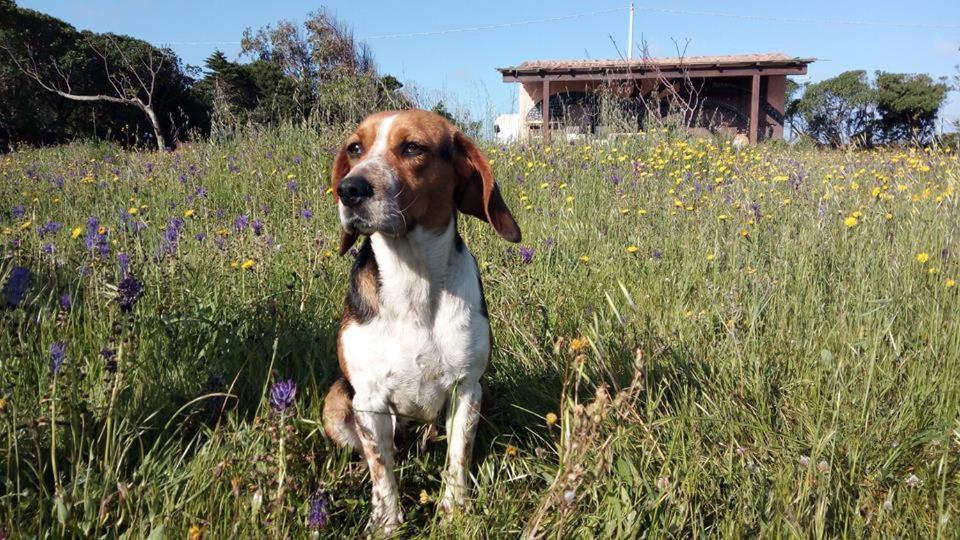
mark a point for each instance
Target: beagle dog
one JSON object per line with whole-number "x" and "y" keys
{"x": 415, "y": 335}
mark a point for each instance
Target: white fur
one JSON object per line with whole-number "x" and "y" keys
{"x": 427, "y": 346}
{"x": 383, "y": 137}
{"x": 382, "y": 208}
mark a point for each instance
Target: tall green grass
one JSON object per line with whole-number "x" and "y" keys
{"x": 732, "y": 343}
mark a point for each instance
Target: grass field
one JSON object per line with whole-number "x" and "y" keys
{"x": 690, "y": 341}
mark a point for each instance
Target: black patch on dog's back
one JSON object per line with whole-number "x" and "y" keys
{"x": 483, "y": 297}
{"x": 364, "y": 282}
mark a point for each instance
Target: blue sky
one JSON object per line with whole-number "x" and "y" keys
{"x": 459, "y": 67}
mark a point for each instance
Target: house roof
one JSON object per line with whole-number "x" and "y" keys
{"x": 565, "y": 67}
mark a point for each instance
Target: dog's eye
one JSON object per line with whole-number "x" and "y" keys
{"x": 411, "y": 149}
{"x": 354, "y": 149}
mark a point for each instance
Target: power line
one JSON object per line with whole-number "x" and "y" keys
{"x": 201, "y": 43}
{"x": 442, "y": 32}
{"x": 668, "y": 11}
{"x": 495, "y": 26}
{"x": 797, "y": 19}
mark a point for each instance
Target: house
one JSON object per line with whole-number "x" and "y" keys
{"x": 733, "y": 94}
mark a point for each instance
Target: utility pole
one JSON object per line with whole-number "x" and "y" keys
{"x": 630, "y": 34}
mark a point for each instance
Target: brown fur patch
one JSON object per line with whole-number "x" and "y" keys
{"x": 338, "y": 419}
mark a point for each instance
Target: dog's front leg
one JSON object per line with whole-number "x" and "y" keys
{"x": 461, "y": 429}
{"x": 375, "y": 429}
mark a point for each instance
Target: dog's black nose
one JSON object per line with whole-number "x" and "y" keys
{"x": 353, "y": 190}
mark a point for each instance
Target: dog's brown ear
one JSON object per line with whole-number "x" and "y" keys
{"x": 477, "y": 193}
{"x": 341, "y": 166}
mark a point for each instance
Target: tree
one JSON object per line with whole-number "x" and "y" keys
{"x": 333, "y": 75}
{"x": 34, "y": 45}
{"x": 461, "y": 120}
{"x": 131, "y": 67}
{"x": 839, "y": 110}
{"x": 907, "y": 106}
{"x": 791, "y": 114}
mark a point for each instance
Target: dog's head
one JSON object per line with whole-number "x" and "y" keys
{"x": 402, "y": 169}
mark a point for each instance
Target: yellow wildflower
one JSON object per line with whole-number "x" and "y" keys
{"x": 247, "y": 264}
{"x": 76, "y": 232}
{"x": 922, "y": 257}
{"x": 578, "y": 344}
{"x": 196, "y": 532}
{"x": 188, "y": 213}
{"x": 551, "y": 418}
{"x": 584, "y": 259}
{"x": 851, "y": 222}
{"x": 512, "y": 451}
{"x": 950, "y": 283}
{"x": 133, "y": 210}
{"x": 632, "y": 249}
{"x": 424, "y": 496}
{"x": 711, "y": 257}
{"x": 25, "y": 225}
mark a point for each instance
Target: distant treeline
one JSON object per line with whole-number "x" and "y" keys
{"x": 892, "y": 108}
{"x": 58, "y": 84}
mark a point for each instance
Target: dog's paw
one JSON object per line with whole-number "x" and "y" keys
{"x": 452, "y": 501}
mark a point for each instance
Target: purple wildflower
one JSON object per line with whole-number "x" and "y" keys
{"x": 526, "y": 254}
{"x": 657, "y": 254}
{"x": 200, "y": 237}
{"x": 318, "y": 514}
{"x": 124, "y": 259}
{"x": 201, "y": 192}
{"x": 96, "y": 237}
{"x": 50, "y": 227}
{"x": 282, "y": 394}
{"x": 110, "y": 359}
{"x": 66, "y": 301}
{"x": 297, "y": 160}
{"x": 171, "y": 235}
{"x": 306, "y": 213}
{"x": 128, "y": 291}
{"x": 548, "y": 242}
{"x": 47, "y": 248}
{"x": 16, "y": 286}
{"x": 292, "y": 185}
{"x": 241, "y": 222}
{"x": 257, "y": 227}
{"x": 57, "y": 356}
{"x": 17, "y": 211}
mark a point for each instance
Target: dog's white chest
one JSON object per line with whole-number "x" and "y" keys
{"x": 429, "y": 333}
